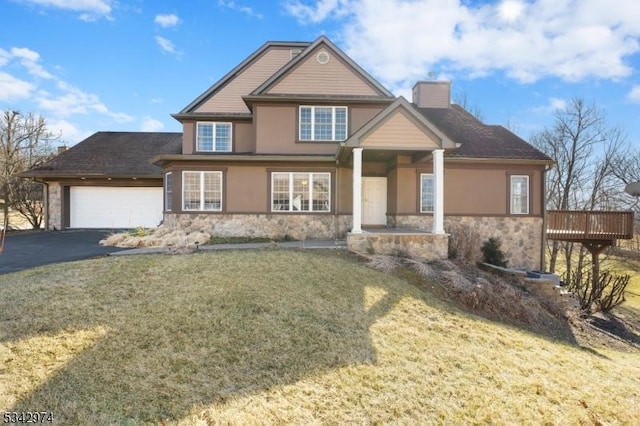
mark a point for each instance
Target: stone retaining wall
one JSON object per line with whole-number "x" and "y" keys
{"x": 275, "y": 226}
{"x": 521, "y": 237}
{"x": 425, "y": 246}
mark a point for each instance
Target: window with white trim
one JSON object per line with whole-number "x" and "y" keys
{"x": 323, "y": 123}
{"x": 213, "y": 137}
{"x": 427, "y": 198}
{"x": 519, "y": 194}
{"x": 168, "y": 190}
{"x": 202, "y": 191}
{"x": 299, "y": 192}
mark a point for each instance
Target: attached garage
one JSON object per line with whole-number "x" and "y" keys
{"x": 114, "y": 207}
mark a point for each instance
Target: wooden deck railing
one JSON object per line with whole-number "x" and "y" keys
{"x": 574, "y": 225}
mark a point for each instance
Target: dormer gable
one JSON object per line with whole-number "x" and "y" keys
{"x": 400, "y": 127}
{"x": 322, "y": 69}
{"x": 225, "y": 96}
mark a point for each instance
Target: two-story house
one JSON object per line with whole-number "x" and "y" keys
{"x": 299, "y": 141}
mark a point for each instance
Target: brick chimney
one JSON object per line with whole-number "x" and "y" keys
{"x": 432, "y": 94}
{"x": 61, "y": 149}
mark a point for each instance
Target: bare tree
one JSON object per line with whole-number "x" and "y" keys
{"x": 584, "y": 148}
{"x": 25, "y": 141}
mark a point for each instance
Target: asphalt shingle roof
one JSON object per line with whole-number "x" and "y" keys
{"x": 112, "y": 154}
{"x": 479, "y": 140}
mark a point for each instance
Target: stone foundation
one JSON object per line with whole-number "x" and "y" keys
{"x": 425, "y": 246}
{"x": 274, "y": 226}
{"x": 521, "y": 237}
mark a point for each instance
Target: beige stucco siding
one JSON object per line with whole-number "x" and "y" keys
{"x": 229, "y": 97}
{"x": 277, "y": 127}
{"x": 360, "y": 115}
{"x": 335, "y": 77}
{"x": 401, "y": 130}
{"x": 244, "y": 137}
{"x": 470, "y": 189}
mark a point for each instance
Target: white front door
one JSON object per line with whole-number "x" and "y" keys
{"x": 374, "y": 200}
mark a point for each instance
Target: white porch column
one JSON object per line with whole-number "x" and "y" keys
{"x": 357, "y": 191}
{"x": 438, "y": 191}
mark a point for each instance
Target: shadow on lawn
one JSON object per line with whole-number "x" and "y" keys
{"x": 173, "y": 346}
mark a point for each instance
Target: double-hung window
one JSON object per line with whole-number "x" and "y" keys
{"x": 213, "y": 137}
{"x": 168, "y": 190}
{"x": 202, "y": 191}
{"x": 426, "y": 193}
{"x": 300, "y": 192}
{"x": 323, "y": 123}
{"x": 519, "y": 194}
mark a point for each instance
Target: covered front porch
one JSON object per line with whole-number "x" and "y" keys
{"x": 406, "y": 143}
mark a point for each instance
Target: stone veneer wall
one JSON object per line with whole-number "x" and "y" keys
{"x": 425, "y": 246}
{"x": 521, "y": 237}
{"x": 276, "y": 226}
{"x": 54, "y": 206}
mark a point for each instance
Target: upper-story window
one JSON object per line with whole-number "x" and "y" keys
{"x": 323, "y": 123}
{"x": 213, "y": 137}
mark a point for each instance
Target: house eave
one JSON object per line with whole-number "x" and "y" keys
{"x": 167, "y": 158}
{"x": 316, "y": 99}
{"x": 487, "y": 160}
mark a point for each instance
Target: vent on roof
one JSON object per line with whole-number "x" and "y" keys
{"x": 295, "y": 52}
{"x": 322, "y": 57}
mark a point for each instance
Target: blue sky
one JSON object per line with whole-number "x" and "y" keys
{"x": 92, "y": 65}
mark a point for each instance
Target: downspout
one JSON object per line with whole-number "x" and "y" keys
{"x": 336, "y": 218}
{"x": 543, "y": 248}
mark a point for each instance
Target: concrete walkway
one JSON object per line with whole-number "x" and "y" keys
{"x": 308, "y": 244}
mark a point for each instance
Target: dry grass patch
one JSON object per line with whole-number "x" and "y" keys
{"x": 283, "y": 337}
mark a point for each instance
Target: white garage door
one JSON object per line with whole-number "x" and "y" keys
{"x": 115, "y": 207}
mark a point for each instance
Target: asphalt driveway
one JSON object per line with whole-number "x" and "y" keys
{"x": 31, "y": 249}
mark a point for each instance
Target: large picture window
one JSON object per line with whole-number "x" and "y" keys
{"x": 519, "y": 194}
{"x": 300, "y": 192}
{"x": 213, "y": 137}
{"x": 168, "y": 190}
{"x": 426, "y": 193}
{"x": 323, "y": 123}
{"x": 202, "y": 191}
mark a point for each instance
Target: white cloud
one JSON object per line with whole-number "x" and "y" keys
{"x": 167, "y": 21}
{"x": 232, "y": 5}
{"x": 29, "y": 59}
{"x": 68, "y": 133}
{"x": 72, "y": 101}
{"x": 401, "y": 41}
{"x": 12, "y": 88}
{"x": 150, "y": 124}
{"x": 553, "y": 105}
{"x": 90, "y": 10}
{"x": 166, "y": 46}
{"x": 634, "y": 94}
{"x": 321, "y": 10}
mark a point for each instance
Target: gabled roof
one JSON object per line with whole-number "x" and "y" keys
{"x": 479, "y": 140}
{"x": 322, "y": 40}
{"x": 237, "y": 70}
{"x": 399, "y": 104}
{"x": 111, "y": 154}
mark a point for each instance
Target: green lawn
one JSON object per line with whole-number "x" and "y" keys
{"x": 281, "y": 336}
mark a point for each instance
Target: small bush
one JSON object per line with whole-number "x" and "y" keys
{"x": 601, "y": 295}
{"x": 464, "y": 243}
{"x": 492, "y": 253}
